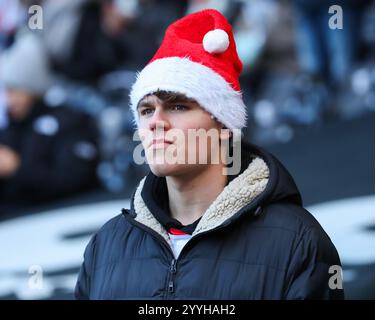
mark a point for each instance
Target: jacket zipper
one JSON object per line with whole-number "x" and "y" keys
{"x": 172, "y": 268}
{"x": 172, "y": 272}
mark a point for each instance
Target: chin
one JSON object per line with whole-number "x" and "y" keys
{"x": 164, "y": 170}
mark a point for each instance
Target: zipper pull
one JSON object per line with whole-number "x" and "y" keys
{"x": 170, "y": 286}
{"x": 172, "y": 269}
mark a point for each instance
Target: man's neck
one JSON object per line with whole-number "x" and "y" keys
{"x": 191, "y": 195}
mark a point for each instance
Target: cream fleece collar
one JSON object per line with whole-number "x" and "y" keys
{"x": 236, "y": 195}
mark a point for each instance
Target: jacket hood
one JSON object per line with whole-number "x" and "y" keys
{"x": 265, "y": 180}
{"x": 281, "y": 185}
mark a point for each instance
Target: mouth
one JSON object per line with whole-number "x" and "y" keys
{"x": 160, "y": 143}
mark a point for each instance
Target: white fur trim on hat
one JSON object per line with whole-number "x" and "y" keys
{"x": 216, "y": 41}
{"x": 197, "y": 82}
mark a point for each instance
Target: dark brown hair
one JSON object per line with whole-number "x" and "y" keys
{"x": 170, "y": 97}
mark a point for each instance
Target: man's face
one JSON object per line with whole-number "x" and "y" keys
{"x": 19, "y": 103}
{"x": 167, "y": 129}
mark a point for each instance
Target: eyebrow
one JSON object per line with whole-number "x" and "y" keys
{"x": 179, "y": 99}
{"x": 144, "y": 104}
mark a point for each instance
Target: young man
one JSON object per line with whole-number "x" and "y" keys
{"x": 196, "y": 230}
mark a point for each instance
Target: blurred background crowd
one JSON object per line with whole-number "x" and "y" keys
{"x": 66, "y": 131}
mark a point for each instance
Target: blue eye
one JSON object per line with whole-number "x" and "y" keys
{"x": 178, "y": 107}
{"x": 146, "y": 111}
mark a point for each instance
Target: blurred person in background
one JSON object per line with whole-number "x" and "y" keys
{"x": 45, "y": 152}
{"x": 84, "y": 38}
{"x": 87, "y": 39}
{"x": 327, "y": 54}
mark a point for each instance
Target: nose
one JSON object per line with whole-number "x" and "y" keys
{"x": 159, "y": 121}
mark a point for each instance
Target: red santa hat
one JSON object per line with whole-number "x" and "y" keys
{"x": 197, "y": 58}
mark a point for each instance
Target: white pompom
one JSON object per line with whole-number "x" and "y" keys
{"x": 216, "y": 41}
